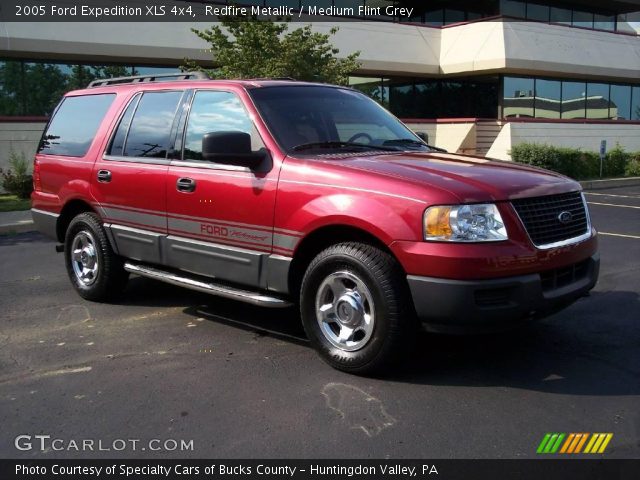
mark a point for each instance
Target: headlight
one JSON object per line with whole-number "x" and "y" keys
{"x": 464, "y": 223}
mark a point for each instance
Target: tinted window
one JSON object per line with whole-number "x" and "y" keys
{"x": 561, "y": 15}
{"x": 213, "y": 111}
{"x": 582, "y": 19}
{"x": 574, "y": 99}
{"x": 538, "y": 12}
{"x": 151, "y": 125}
{"x": 605, "y": 22}
{"x": 117, "y": 144}
{"x": 74, "y": 125}
{"x": 518, "y": 97}
{"x": 620, "y": 102}
{"x": 513, "y": 8}
{"x": 547, "y": 99}
{"x": 635, "y": 105}
{"x": 598, "y": 100}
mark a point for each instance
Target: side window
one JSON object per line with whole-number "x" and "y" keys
{"x": 151, "y": 125}
{"x": 119, "y": 139}
{"x": 75, "y": 124}
{"x": 216, "y": 111}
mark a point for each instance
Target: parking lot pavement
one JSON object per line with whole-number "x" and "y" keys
{"x": 241, "y": 382}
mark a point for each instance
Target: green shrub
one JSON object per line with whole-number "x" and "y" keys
{"x": 17, "y": 180}
{"x": 633, "y": 167}
{"x": 574, "y": 162}
{"x": 615, "y": 162}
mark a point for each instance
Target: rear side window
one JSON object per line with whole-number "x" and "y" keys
{"x": 150, "y": 128}
{"x": 74, "y": 125}
{"x": 117, "y": 144}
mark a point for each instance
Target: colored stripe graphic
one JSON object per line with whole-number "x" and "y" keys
{"x": 581, "y": 443}
{"x": 543, "y": 443}
{"x": 573, "y": 443}
{"x": 551, "y": 443}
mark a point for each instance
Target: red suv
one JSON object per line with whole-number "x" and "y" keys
{"x": 280, "y": 192}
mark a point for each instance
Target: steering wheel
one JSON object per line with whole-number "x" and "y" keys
{"x": 363, "y": 135}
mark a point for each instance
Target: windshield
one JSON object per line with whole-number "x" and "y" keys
{"x": 310, "y": 118}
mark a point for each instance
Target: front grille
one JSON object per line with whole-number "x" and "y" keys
{"x": 541, "y": 217}
{"x": 561, "y": 277}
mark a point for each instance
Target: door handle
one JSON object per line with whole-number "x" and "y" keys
{"x": 104, "y": 176}
{"x": 186, "y": 185}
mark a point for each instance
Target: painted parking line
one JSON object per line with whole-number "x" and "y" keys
{"x": 635, "y": 237}
{"x": 614, "y": 205}
{"x": 612, "y": 195}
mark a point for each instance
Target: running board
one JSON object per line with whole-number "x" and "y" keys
{"x": 247, "y": 296}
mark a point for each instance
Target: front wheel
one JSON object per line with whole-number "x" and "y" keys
{"x": 356, "y": 309}
{"x": 95, "y": 271}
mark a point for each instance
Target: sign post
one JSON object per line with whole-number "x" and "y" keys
{"x": 603, "y": 154}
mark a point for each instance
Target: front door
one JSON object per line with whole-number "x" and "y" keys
{"x": 219, "y": 216}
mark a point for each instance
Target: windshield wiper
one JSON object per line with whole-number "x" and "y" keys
{"x": 309, "y": 146}
{"x": 411, "y": 141}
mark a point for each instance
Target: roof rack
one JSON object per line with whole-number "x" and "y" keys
{"x": 160, "y": 77}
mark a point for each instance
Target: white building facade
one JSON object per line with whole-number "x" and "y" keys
{"x": 476, "y": 76}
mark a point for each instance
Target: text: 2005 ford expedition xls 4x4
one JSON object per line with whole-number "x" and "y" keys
{"x": 280, "y": 192}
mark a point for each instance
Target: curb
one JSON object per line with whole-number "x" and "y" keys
{"x": 612, "y": 183}
{"x": 20, "y": 227}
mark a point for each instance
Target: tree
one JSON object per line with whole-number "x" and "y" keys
{"x": 255, "y": 48}
{"x": 82, "y": 75}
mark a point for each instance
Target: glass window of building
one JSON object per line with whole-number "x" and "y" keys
{"x": 635, "y": 104}
{"x": 427, "y": 99}
{"x": 604, "y": 22}
{"x": 402, "y": 99}
{"x": 537, "y": 12}
{"x": 598, "y": 101}
{"x": 574, "y": 99}
{"x": 434, "y": 17}
{"x": 561, "y": 15}
{"x": 518, "y": 97}
{"x": 548, "y": 99}
{"x": 453, "y": 16}
{"x": 513, "y": 8}
{"x": 582, "y": 19}
{"x": 620, "y": 106}
{"x": 370, "y": 86}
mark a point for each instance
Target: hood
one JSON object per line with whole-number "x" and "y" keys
{"x": 471, "y": 179}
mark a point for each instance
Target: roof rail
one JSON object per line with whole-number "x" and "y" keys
{"x": 160, "y": 77}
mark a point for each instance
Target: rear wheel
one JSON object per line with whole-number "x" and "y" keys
{"x": 356, "y": 308}
{"x": 95, "y": 271}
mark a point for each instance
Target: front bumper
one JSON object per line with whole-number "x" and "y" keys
{"x": 459, "y": 306}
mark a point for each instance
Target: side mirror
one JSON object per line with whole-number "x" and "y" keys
{"x": 424, "y": 136}
{"x": 233, "y": 148}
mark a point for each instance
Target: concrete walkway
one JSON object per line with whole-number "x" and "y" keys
{"x": 16, "y": 222}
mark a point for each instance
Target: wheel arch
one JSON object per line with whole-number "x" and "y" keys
{"x": 322, "y": 238}
{"x": 71, "y": 209}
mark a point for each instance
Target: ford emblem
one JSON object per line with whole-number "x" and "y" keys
{"x": 565, "y": 217}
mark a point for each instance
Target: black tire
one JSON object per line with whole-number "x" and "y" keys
{"x": 383, "y": 282}
{"x": 109, "y": 278}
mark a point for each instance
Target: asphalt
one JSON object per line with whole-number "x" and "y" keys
{"x": 241, "y": 382}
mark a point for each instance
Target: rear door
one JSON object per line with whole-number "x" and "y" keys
{"x": 129, "y": 179}
{"x": 220, "y": 216}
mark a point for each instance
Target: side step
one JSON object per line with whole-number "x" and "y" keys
{"x": 247, "y": 296}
